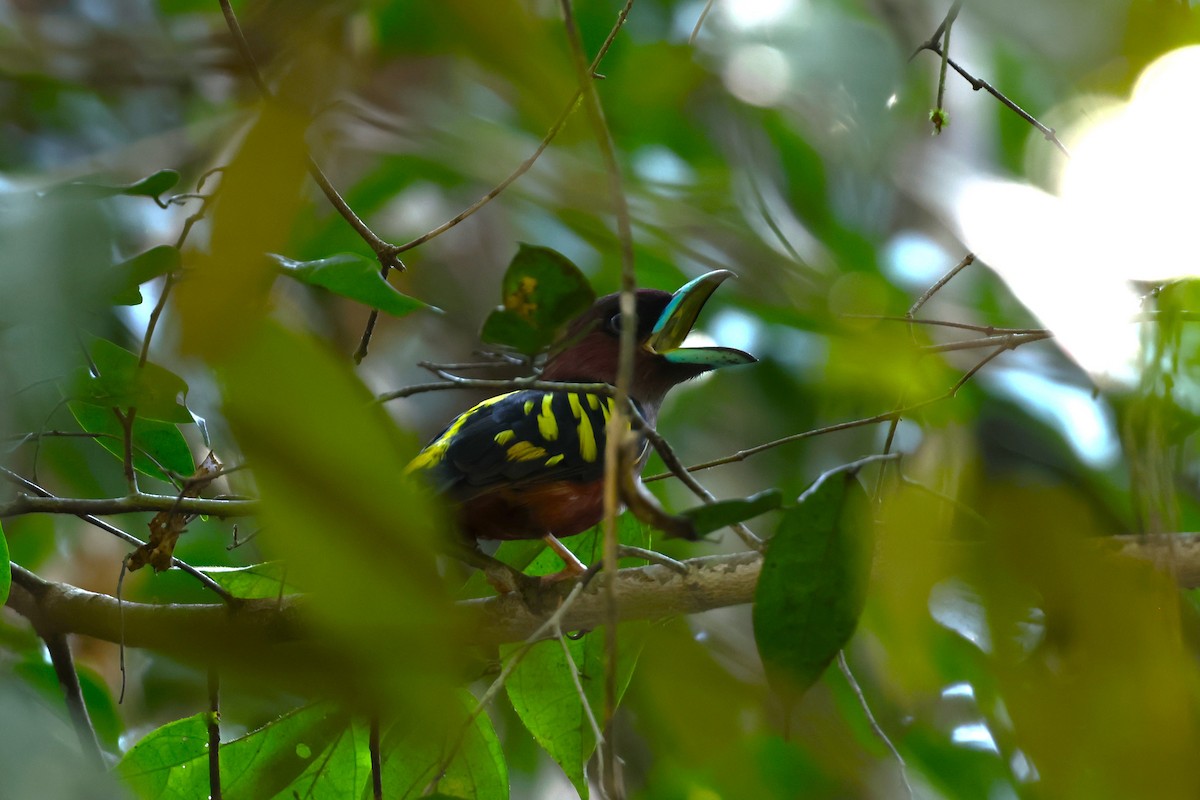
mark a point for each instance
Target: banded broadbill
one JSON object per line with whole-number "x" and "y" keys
{"x": 530, "y": 464}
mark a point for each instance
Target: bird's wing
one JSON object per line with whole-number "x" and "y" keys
{"x": 521, "y": 438}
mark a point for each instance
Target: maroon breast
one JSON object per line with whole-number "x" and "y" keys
{"x": 562, "y": 508}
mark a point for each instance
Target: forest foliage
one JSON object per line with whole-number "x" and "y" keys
{"x": 255, "y": 254}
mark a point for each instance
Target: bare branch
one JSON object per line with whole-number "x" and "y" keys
{"x": 64, "y": 667}
{"x": 651, "y": 592}
{"x": 134, "y": 503}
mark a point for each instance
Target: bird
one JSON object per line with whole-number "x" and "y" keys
{"x": 529, "y": 464}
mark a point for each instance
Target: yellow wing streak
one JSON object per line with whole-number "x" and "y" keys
{"x": 587, "y": 439}
{"x": 525, "y": 451}
{"x": 547, "y": 424}
{"x": 436, "y": 451}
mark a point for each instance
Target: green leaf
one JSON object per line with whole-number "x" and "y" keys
{"x": 542, "y": 292}
{"x": 152, "y": 186}
{"x": 161, "y": 441}
{"x": 157, "y": 767}
{"x": 171, "y": 762}
{"x": 411, "y": 757}
{"x": 813, "y": 583}
{"x": 341, "y": 772}
{"x": 156, "y": 392}
{"x": 256, "y": 581}
{"x": 714, "y": 516}
{"x": 541, "y": 688}
{"x": 145, "y": 266}
{"x": 354, "y": 276}
{"x": 5, "y": 570}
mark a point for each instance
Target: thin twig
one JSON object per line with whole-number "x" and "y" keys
{"x": 875, "y": 726}
{"x": 671, "y": 460}
{"x": 214, "y": 734}
{"x": 126, "y": 420}
{"x": 573, "y": 671}
{"x": 1008, "y": 341}
{"x": 59, "y": 649}
{"x": 376, "y": 758}
{"x": 887, "y": 416}
{"x": 987, "y": 330}
{"x": 979, "y": 83}
{"x": 552, "y": 623}
{"x": 939, "y": 113}
{"x": 613, "y": 449}
{"x": 510, "y": 385}
{"x": 208, "y": 582}
{"x": 384, "y": 251}
{"x": 700, "y": 22}
{"x": 364, "y": 341}
{"x": 967, "y": 261}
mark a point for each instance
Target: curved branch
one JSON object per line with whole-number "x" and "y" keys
{"x": 652, "y": 592}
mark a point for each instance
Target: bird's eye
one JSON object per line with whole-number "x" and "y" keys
{"x": 614, "y": 324}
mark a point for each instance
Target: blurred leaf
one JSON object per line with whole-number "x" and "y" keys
{"x": 6, "y": 570}
{"x": 102, "y": 709}
{"x": 1113, "y": 627}
{"x": 172, "y": 761}
{"x": 225, "y": 296}
{"x": 354, "y": 276}
{"x": 542, "y": 292}
{"x": 161, "y": 441}
{"x": 541, "y": 688}
{"x": 152, "y": 186}
{"x": 255, "y": 581}
{"x": 813, "y": 582}
{"x": 141, "y": 268}
{"x": 360, "y": 540}
{"x": 711, "y": 517}
{"x": 155, "y": 391}
{"x": 412, "y": 755}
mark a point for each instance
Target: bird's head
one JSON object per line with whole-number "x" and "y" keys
{"x": 590, "y": 350}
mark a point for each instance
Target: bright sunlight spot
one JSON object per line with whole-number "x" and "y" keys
{"x": 1124, "y": 210}
{"x": 757, "y": 74}
{"x": 756, "y": 13}
{"x": 1086, "y": 423}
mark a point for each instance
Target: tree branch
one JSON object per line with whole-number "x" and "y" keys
{"x": 32, "y": 504}
{"x": 652, "y": 592}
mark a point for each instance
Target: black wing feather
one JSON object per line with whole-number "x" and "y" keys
{"x": 475, "y": 453}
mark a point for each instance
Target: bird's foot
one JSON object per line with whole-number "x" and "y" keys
{"x": 572, "y": 566}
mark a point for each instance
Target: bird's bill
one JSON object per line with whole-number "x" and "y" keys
{"x": 677, "y": 319}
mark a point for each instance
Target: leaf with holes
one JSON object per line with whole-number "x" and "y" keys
{"x": 542, "y": 291}
{"x": 355, "y": 277}
{"x": 714, "y": 516}
{"x": 120, "y": 383}
{"x": 813, "y": 583}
